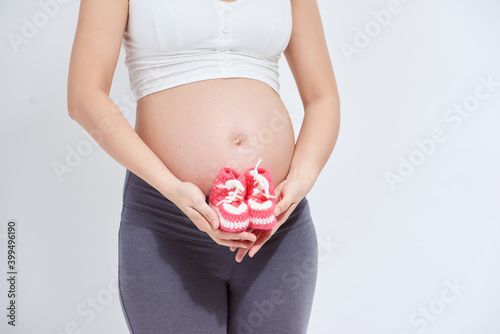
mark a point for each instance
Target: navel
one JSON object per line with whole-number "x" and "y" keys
{"x": 238, "y": 139}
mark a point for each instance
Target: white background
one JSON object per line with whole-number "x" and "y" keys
{"x": 386, "y": 252}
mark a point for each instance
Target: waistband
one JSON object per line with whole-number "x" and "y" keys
{"x": 145, "y": 206}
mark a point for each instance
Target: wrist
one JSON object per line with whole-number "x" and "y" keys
{"x": 305, "y": 175}
{"x": 170, "y": 187}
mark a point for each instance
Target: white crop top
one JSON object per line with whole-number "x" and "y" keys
{"x": 174, "y": 42}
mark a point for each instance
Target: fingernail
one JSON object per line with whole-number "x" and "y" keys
{"x": 214, "y": 223}
{"x": 277, "y": 212}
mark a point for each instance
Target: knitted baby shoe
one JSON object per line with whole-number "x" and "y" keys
{"x": 227, "y": 198}
{"x": 260, "y": 198}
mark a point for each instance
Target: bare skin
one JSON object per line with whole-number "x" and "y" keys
{"x": 197, "y": 128}
{"x": 185, "y": 134}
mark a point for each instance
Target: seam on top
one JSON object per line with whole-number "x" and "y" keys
{"x": 172, "y": 236}
{"x": 296, "y": 225}
{"x": 151, "y": 209}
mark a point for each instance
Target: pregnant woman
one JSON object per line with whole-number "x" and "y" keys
{"x": 205, "y": 77}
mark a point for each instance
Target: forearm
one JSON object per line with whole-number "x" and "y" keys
{"x": 317, "y": 138}
{"x": 104, "y": 121}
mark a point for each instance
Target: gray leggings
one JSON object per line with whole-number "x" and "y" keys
{"x": 173, "y": 278}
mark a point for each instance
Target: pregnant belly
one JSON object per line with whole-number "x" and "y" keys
{"x": 197, "y": 128}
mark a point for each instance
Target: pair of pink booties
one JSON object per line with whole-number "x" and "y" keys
{"x": 244, "y": 200}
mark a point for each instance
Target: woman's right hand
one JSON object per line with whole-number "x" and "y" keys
{"x": 191, "y": 200}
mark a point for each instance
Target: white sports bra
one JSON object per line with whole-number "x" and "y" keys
{"x": 174, "y": 42}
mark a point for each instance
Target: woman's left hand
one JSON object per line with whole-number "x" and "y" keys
{"x": 291, "y": 191}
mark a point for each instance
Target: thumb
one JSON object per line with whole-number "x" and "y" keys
{"x": 278, "y": 193}
{"x": 278, "y": 189}
{"x": 211, "y": 215}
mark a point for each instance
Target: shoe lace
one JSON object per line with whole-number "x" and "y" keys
{"x": 261, "y": 182}
{"x": 234, "y": 194}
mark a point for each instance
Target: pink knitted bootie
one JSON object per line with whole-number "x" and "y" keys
{"x": 260, "y": 198}
{"x": 227, "y": 198}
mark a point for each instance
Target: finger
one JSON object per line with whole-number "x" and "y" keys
{"x": 229, "y": 239}
{"x": 232, "y": 243}
{"x": 209, "y": 213}
{"x": 242, "y": 252}
{"x": 250, "y": 230}
{"x": 235, "y": 235}
{"x": 277, "y": 190}
{"x": 283, "y": 205}
{"x": 265, "y": 235}
{"x": 199, "y": 220}
{"x": 282, "y": 199}
{"x": 284, "y": 215}
{"x": 258, "y": 233}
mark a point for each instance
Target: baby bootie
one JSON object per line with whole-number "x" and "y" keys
{"x": 260, "y": 198}
{"x": 227, "y": 198}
